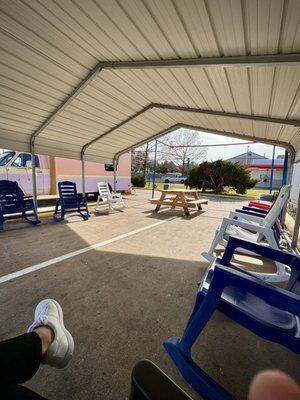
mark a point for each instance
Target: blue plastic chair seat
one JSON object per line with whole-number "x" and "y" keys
{"x": 253, "y": 307}
{"x": 259, "y": 310}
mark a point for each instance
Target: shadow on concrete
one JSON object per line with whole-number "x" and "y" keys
{"x": 167, "y": 212}
{"x": 120, "y": 308}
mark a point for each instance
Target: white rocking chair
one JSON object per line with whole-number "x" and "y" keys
{"x": 254, "y": 229}
{"x": 106, "y": 197}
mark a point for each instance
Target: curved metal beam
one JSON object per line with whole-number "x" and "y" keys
{"x": 293, "y": 122}
{"x": 142, "y": 111}
{"x": 262, "y": 60}
{"x": 290, "y": 148}
{"x": 194, "y": 110}
{"x": 87, "y": 80}
{"x": 242, "y": 61}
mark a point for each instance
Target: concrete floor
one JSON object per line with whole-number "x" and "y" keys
{"x": 123, "y": 300}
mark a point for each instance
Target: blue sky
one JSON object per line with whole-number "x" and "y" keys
{"x": 225, "y": 152}
{"x": 215, "y": 153}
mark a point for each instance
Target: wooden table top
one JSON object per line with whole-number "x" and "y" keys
{"x": 179, "y": 191}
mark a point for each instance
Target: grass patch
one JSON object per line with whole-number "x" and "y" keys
{"x": 251, "y": 193}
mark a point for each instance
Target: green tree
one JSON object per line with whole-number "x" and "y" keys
{"x": 167, "y": 166}
{"x": 219, "y": 174}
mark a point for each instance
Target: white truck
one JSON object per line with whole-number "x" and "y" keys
{"x": 174, "y": 177}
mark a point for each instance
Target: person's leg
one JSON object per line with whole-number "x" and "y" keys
{"x": 19, "y": 392}
{"x": 48, "y": 342}
{"x": 20, "y": 358}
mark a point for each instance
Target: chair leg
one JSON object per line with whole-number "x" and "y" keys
{"x": 1, "y": 222}
{"x": 84, "y": 213}
{"x": 98, "y": 201}
{"x": 34, "y": 221}
{"x": 209, "y": 255}
{"x": 56, "y": 207}
{"x": 62, "y": 214}
{"x": 55, "y": 215}
{"x": 281, "y": 274}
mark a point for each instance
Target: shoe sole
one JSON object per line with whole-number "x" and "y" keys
{"x": 69, "y": 337}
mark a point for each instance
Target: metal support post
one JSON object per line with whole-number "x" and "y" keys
{"x": 154, "y": 169}
{"x": 272, "y": 169}
{"x": 296, "y": 226}
{"x": 34, "y": 179}
{"x": 285, "y": 168}
{"x": 115, "y": 162}
{"x": 83, "y": 175}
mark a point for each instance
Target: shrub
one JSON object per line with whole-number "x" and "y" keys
{"x": 138, "y": 181}
{"x": 219, "y": 174}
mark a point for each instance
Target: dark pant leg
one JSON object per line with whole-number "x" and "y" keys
{"x": 18, "y": 392}
{"x": 20, "y": 358}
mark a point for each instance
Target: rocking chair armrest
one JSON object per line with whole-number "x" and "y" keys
{"x": 247, "y": 216}
{"x": 254, "y": 209}
{"x": 251, "y": 212}
{"x": 246, "y": 225}
{"x": 28, "y": 201}
{"x": 281, "y": 256}
{"x": 277, "y": 297}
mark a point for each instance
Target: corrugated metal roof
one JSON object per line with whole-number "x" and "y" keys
{"x": 48, "y": 48}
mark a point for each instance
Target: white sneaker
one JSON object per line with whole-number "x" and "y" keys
{"x": 49, "y": 313}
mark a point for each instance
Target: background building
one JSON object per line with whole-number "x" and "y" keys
{"x": 260, "y": 168}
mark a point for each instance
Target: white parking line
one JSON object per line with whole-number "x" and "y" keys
{"x": 55, "y": 260}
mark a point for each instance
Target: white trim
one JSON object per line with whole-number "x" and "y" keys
{"x": 44, "y": 264}
{"x": 74, "y": 176}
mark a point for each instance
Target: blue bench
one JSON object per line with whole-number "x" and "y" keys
{"x": 70, "y": 201}
{"x": 13, "y": 205}
{"x": 270, "y": 312}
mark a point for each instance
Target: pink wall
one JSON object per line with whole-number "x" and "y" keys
{"x": 67, "y": 169}
{"x": 65, "y": 166}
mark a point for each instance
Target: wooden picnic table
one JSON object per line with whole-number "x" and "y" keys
{"x": 184, "y": 198}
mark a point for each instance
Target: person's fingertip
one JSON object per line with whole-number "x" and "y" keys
{"x": 273, "y": 385}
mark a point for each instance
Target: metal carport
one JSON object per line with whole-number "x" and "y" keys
{"x": 90, "y": 80}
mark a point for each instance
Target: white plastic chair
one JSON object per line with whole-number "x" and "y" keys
{"x": 254, "y": 229}
{"x": 274, "y": 212}
{"x": 107, "y": 198}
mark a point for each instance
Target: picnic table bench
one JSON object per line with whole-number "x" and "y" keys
{"x": 184, "y": 198}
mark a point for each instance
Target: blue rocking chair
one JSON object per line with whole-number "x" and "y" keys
{"x": 70, "y": 201}
{"x": 13, "y": 205}
{"x": 266, "y": 310}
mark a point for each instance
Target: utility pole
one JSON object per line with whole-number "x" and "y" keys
{"x": 188, "y": 164}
